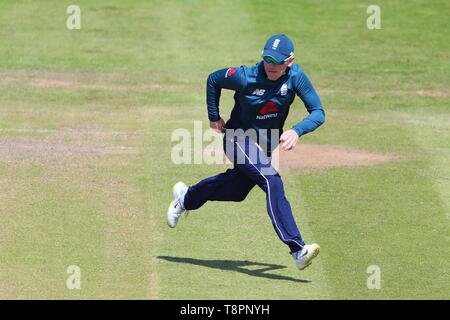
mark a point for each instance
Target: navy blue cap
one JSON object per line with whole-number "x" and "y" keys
{"x": 279, "y": 47}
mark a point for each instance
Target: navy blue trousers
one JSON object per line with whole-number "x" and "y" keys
{"x": 251, "y": 167}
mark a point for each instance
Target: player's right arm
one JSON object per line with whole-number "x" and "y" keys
{"x": 232, "y": 79}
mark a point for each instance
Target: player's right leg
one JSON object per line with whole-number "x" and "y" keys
{"x": 231, "y": 185}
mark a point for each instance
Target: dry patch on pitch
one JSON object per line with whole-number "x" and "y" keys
{"x": 434, "y": 93}
{"x": 314, "y": 156}
{"x": 73, "y": 84}
{"x": 59, "y": 154}
{"x": 360, "y": 93}
{"x": 46, "y": 147}
{"x": 154, "y": 81}
{"x": 140, "y": 82}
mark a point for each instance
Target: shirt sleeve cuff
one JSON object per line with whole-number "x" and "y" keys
{"x": 298, "y": 131}
{"x": 214, "y": 119}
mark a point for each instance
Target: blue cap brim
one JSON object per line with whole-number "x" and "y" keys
{"x": 275, "y": 54}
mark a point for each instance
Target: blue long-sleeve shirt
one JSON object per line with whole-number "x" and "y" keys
{"x": 261, "y": 103}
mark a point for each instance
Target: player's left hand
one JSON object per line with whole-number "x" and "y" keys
{"x": 289, "y": 139}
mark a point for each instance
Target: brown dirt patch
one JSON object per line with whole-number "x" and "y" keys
{"x": 434, "y": 93}
{"x": 58, "y": 84}
{"x": 305, "y": 156}
{"x": 85, "y": 81}
{"x": 17, "y": 147}
{"x": 360, "y": 93}
{"x": 81, "y": 132}
{"x": 151, "y": 81}
{"x": 315, "y": 156}
{"x": 52, "y": 83}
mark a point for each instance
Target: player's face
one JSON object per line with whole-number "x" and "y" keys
{"x": 275, "y": 71}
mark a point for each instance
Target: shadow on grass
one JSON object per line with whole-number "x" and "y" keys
{"x": 237, "y": 266}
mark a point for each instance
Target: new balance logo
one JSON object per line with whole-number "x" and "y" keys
{"x": 259, "y": 92}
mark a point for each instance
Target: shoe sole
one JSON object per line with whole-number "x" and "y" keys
{"x": 315, "y": 253}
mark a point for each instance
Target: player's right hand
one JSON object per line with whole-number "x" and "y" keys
{"x": 218, "y": 126}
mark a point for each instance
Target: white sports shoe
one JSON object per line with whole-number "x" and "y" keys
{"x": 303, "y": 258}
{"x": 176, "y": 208}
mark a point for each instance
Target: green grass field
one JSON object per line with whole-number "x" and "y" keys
{"x": 86, "y": 118}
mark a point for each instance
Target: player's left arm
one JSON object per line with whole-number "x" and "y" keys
{"x": 305, "y": 90}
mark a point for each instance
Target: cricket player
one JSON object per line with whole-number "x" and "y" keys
{"x": 263, "y": 95}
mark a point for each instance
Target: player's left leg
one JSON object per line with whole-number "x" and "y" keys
{"x": 230, "y": 185}
{"x": 254, "y": 164}
{"x": 257, "y": 167}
